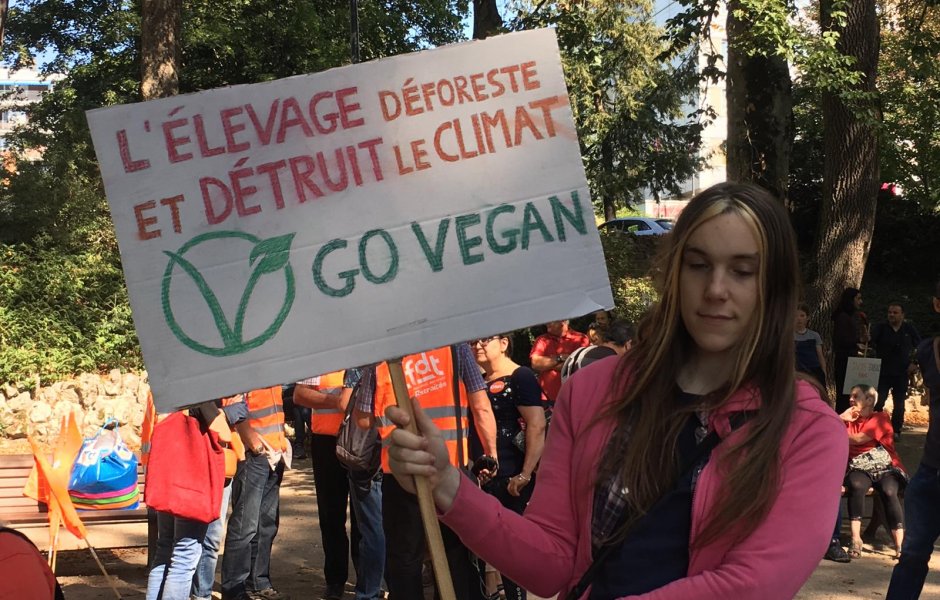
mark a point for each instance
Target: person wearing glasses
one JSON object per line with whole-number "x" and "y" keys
{"x": 516, "y": 397}
{"x": 672, "y": 472}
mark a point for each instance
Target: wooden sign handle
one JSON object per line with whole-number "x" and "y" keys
{"x": 432, "y": 528}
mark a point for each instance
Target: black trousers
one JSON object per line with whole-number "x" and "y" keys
{"x": 405, "y": 548}
{"x": 332, "y": 485}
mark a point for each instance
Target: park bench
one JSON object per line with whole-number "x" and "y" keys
{"x": 21, "y": 512}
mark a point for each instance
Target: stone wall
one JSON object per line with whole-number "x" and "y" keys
{"x": 94, "y": 397}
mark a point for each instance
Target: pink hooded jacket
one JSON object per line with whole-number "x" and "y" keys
{"x": 549, "y": 549}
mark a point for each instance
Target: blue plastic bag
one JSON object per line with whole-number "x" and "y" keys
{"x": 104, "y": 465}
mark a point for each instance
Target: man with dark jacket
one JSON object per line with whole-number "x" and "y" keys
{"x": 894, "y": 344}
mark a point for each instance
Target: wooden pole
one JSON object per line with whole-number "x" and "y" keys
{"x": 54, "y": 551}
{"x": 101, "y": 566}
{"x": 432, "y": 528}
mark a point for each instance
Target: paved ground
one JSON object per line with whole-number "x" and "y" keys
{"x": 297, "y": 567}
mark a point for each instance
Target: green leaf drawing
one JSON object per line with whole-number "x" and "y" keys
{"x": 274, "y": 255}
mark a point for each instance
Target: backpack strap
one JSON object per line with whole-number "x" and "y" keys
{"x": 455, "y": 370}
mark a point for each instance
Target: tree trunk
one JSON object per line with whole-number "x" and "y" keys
{"x": 850, "y": 170}
{"x": 486, "y": 18}
{"x": 760, "y": 115}
{"x": 160, "y": 25}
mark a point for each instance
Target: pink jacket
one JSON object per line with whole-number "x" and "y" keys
{"x": 549, "y": 549}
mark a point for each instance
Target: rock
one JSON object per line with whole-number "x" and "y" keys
{"x": 40, "y": 413}
{"x": 89, "y": 387}
{"x": 130, "y": 382}
{"x": 113, "y": 385}
{"x": 68, "y": 394}
{"x": 10, "y": 391}
{"x": 18, "y": 426}
{"x": 21, "y": 402}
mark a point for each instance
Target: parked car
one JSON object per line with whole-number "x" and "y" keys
{"x": 639, "y": 225}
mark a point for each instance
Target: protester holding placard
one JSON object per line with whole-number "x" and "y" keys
{"x": 622, "y": 483}
{"x": 431, "y": 378}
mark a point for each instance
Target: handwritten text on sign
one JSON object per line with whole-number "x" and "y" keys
{"x": 274, "y": 231}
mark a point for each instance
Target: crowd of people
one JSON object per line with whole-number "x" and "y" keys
{"x": 490, "y": 407}
{"x": 694, "y": 455}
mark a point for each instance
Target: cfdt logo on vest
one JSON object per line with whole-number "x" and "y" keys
{"x": 422, "y": 370}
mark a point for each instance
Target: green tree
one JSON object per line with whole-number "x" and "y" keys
{"x": 638, "y": 133}
{"x": 60, "y": 262}
{"x": 851, "y": 176}
{"x": 909, "y": 81}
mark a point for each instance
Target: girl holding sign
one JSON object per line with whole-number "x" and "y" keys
{"x": 675, "y": 471}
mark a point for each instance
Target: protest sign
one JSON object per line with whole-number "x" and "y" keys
{"x": 861, "y": 371}
{"x": 275, "y": 231}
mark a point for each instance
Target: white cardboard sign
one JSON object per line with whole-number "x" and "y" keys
{"x": 861, "y": 371}
{"x": 274, "y": 231}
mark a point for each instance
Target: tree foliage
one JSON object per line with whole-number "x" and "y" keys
{"x": 909, "y": 80}
{"x": 639, "y": 136}
{"x": 64, "y": 305}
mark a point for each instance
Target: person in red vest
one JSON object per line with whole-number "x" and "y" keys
{"x": 551, "y": 350}
{"x": 252, "y": 526}
{"x": 431, "y": 378}
{"x": 325, "y": 395}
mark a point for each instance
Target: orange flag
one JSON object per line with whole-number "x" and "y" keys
{"x": 51, "y": 480}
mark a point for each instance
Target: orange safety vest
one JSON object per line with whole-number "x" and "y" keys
{"x": 236, "y": 451}
{"x": 430, "y": 379}
{"x": 266, "y": 416}
{"x": 326, "y": 421}
{"x": 146, "y": 431}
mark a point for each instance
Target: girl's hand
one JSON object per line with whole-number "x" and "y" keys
{"x": 423, "y": 454}
{"x": 517, "y": 483}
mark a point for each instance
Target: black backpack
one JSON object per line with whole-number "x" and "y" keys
{"x": 359, "y": 450}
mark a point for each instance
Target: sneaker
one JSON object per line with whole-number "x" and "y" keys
{"x": 837, "y": 553}
{"x": 334, "y": 591}
{"x": 268, "y": 594}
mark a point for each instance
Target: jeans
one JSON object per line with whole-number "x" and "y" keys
{"x": 252, "y": 527}
{"x": 205, "y": 571}
{"x": 179, "y": 546}
{"x": 405, "y": 548}
{"x": 331, "y": 481}
{"x": 368, "y": 510}
{"x": 922, "y": 528}
{"x": 898, "y": 386}
{"x": 301, "y": 424}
